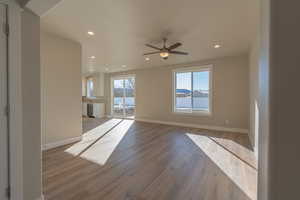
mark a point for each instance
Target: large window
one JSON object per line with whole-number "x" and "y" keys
{"x": 90, "y": 87}
{"x": 123, "y": 95}
{"x": 192, "y": 90}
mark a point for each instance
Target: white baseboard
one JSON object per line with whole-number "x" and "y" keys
{"x": 208, "y": 127}
{"x": 41, "y": 198}
{"x": 60, "y": 143}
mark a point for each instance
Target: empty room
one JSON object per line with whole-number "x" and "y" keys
{"x": 162, "y": 90}
{"x": 148, "y": 100}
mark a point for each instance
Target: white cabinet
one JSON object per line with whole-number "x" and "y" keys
{"x": 84, "y": 108}
{"x": 98, "y": 110}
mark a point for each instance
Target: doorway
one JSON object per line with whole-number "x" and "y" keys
{"x": 123, "y": 96}
{"x": 4, "y": 179}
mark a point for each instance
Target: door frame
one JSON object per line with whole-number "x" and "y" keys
{"x": 120, "y": 77}
{"x": 15, "y": 100}
{"x": 4, "y": 157}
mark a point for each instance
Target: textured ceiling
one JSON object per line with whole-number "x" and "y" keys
{"x": 123, "y": 27}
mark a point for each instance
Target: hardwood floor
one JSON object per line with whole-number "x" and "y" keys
{"x": 128, "y": 160}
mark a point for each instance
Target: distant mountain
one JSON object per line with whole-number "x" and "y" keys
{"x": 186, "y": 92}
{"x": 118, "y": 92}
{"x": 183, "y": 91}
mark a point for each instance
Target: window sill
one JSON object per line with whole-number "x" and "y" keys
{"x": 194, "y": 113}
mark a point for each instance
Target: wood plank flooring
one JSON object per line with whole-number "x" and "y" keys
{"x": 127, "y": 160}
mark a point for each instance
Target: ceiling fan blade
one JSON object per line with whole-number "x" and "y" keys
{"x": 151, "y": 46}
{"x": 151, "y": 53}
{"x": 174, "y": 46}
{"x": 179, "y": 53}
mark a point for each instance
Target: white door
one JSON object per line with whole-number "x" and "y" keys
{"x": 3, "y": 104}
{"x": 123, "y": 96}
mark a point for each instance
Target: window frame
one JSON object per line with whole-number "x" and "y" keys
{"x": 208, "y": 68}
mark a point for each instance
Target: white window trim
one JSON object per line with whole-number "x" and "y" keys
{"x": 112, "y": 93}
{"x": 190, "y": 69}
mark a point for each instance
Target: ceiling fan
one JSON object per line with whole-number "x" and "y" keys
{"x": 165, "y": 51}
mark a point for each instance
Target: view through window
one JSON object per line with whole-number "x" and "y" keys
{"x": 123, "y": 96}
{"x": 192, "y": 90}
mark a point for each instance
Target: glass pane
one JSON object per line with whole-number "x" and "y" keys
{"x": 90, "y": 88}
{"x": 201, "y": 91}
{"x": 129, "y": 97}
{"x": 183, "y": 91}
{"x": 118, "y": 91}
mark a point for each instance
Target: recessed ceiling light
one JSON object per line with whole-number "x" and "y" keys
{"x": 93, "y": 57}
{"x": 147, "y": 59}
{"x": 217, "y": 46}
{"x": 90, "y": 33}
{"x": 124, "y": 66}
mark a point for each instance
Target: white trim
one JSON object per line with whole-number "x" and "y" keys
{"x": 15, "y": 100}
{"x": 190, "y": 69}
{"x": 208, "y": 127}
{"x": 194, "y": 113}
{"x": 60, "y": 143}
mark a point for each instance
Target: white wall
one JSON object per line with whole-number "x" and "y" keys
{"x": 254, "y": 56}
{"x": 230, "y": 99}
{"x": 61, "y": 88}
{"x": 264, "y": 166}
{"x": 83, "y": 86}
{"x": 98, "y": 79}
{"x": 254, "y": 95}
{"x": 31, "y": 106}
{"x": 99, "y": 84}
{"x": 281, "y": 139}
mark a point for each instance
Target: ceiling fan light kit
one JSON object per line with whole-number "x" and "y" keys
{"x": 164, "y": 55}
{"x": 165, "y": 51}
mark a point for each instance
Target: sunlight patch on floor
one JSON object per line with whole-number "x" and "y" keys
{"x": 102, "y": 150}
{"x": 237, "y": 149}
{"x": 235, "y": 168}
{"x": 91, "y": 136}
